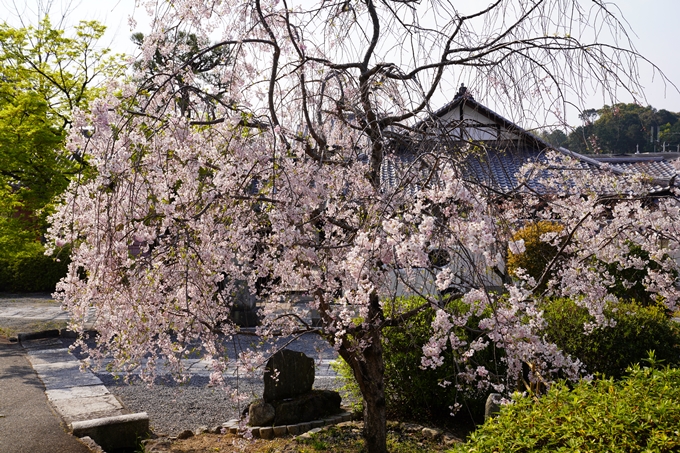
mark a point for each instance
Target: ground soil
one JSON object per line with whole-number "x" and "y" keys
{"x": 345, "y": 438}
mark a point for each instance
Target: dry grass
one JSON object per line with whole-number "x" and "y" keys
{"x": 345, "y": 438}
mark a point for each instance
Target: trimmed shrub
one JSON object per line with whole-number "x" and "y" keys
{"x": 30, "y": 273}
{"x": 610, "y": 350}
{"x": 537, "y": 254}
{"x": 639, "y": 413}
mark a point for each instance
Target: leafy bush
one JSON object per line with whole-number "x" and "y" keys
{"x": 537, "y": 254}
{"x": 31, "y": 272}
{"x": 413, "y": 392}
{"x": 639, "y": 413}
{"x": 628, "y": 282}
{"x": 610, "y": 350}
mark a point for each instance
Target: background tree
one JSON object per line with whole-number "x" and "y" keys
{"x": 44, "y": 76}
{"x": 625, "y": 128}
{"x": 282, "y": 177}
{"x": 555, "y": 137}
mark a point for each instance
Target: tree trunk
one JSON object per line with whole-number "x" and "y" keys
{"x": 373, "y": 391}
{"x": 369, "y": 370}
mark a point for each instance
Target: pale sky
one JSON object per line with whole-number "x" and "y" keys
{"x": 654, "y": 24}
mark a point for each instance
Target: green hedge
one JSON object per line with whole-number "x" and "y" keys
{"x": 414, "y": 393}
{"x": 31, "y": 273}
{"x": 610, "y": 350}
{"x": 639, "y": 413}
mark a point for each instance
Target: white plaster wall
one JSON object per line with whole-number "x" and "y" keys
{"x": 474, "y": 129}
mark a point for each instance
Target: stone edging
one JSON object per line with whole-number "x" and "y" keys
{"x": 270, "y": 432}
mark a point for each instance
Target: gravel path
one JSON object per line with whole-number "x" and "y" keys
{"x": 174, "y": 407}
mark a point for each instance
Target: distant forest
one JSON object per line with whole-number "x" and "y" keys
{"x": 621, "y": 129}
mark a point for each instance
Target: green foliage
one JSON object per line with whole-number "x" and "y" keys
{"x": 639, "y": 413}
{"x": 410, "y": 390}
{"x": 187, "y": 49}
{"x": 31, "y": 272}
{"x": 349, "y": 390}
{"x": 413, "y": 392}
{"x": 628, "y": 282}
{"x": 555, "y": 137}
{"x": 610, "y": 350}
{"x": 625, "y": 128}
{"x": 44, "y": 75}
{"x": 537, "y": 254}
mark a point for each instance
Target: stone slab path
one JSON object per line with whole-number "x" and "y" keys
{"x": 80, "y": 397}
{"x": 76, "y": 394}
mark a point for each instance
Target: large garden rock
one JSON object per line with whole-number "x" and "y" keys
{"x": 313, "y": 405}
{"x": 288, "y": 374}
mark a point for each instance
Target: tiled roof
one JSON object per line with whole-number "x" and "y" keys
{"x": 497, "y": 168}
{"x": 496, "y": 165}
{"x": 493, "y": 167}
{"x": 658, "y": 166}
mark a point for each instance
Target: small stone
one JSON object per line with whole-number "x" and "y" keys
{"x": 348, "y": 424}
{"x": 308, "y": 434}
{"x": 411, "y": 427}
{"x": 293, "y": 430}
{"x": 261, "y": 413}
{"x": 304, "y": 427}
{"x": 333, "y": 420}
{"x": 187, "y": 433}
{"x": 231, "y": 426}
{"x": 267, "y": 432}
{"x": 317, "y": 423}
{"x": 91, "y": 444}
{"x": 431, "y": 433}
{"x": 450, "y": 440}
{"x": 202, "y": 429}
{"x": 157, "y": 445}
{"x": 255, "y": 431}
{"x": 303, "y": 436}
{"x": 216, "y": 429}
{"x": 493, "y": 405}
{"x": 280, "y": 431}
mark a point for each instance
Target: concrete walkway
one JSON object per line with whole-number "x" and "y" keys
{"x": 27, "y": 422}
{"x": 44, "y": 395}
